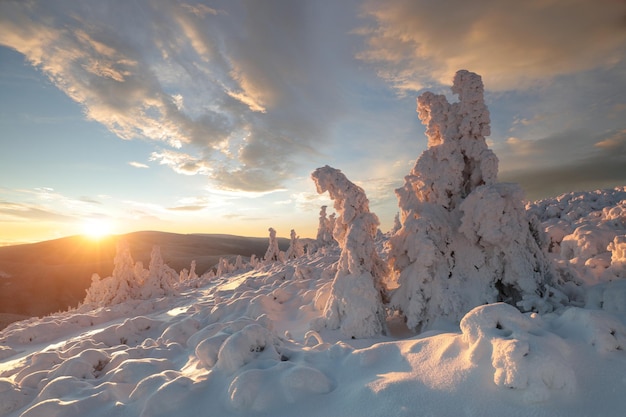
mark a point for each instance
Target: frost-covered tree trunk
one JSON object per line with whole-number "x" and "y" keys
{"x": 465, "y": 240}
{"x": 355, "y": 303}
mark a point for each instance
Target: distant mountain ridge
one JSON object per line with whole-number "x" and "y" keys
{"x": 41, "y": 278}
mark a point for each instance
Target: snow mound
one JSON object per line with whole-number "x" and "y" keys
{"x": 523, "y": 354}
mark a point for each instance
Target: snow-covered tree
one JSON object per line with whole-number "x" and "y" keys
{"x": 296, "y": 249}
{"x": 239, "y": 264}
{"x": 121, "y": 286}
{"x": 273, "y": 252}
{"x": 224, "y": 267}
{"x": 131, "y": 280}
{"x": 190, "y": 275}
{"x": 355, "y": 303}
{"x": 465, "y": 240}
{"x": 325, "y": 228}
{"x": 397, "y": 225}
{"x": 254, "y": 261}
{"x": 160, "y": 279}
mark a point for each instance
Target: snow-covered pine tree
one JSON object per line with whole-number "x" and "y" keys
{"x": 355, "y": 304}
{"x": 465, "y": 240}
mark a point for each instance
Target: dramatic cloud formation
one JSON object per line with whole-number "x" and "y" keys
{"x": 510, "y": 43}
{"x": 239, "y": 81}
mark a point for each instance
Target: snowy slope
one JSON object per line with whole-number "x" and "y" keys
{"x": 240, "y": 344}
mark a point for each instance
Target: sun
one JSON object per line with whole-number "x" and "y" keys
{"x": 97, "y": 228}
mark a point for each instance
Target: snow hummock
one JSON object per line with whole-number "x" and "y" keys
{"x": 495, "y": 308}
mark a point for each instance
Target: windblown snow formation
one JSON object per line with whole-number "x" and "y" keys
{"x": 465, "y": 239}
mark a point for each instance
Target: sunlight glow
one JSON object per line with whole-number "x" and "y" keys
{"x": 97, "y": 228}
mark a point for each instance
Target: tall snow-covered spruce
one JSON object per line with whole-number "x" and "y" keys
{"x": 465, "y": 239}
{"x": 355, "y": 304}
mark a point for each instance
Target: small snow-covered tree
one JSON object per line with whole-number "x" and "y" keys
{"x": 465, "y": 240}
{"x": 273, "y": 252}
{"x": 131, "y": 280}
{"x": 160, "y": 279}
{"x": 254, "y": 261}
{"x": 325, "y": 228}
{"x": 239, "y": 263}
{"x": 121, "y": 286}
{"x": 295, "y": 249}
{"x": 355, "y": 303}
{"x": 224, "y": 267}
{"x": 397, "y": 225}
{"x": 193, "y": 275}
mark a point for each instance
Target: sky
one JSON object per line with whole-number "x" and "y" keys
{"x": 209, "y": 116}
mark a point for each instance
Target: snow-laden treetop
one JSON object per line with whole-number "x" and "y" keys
{"x": 458, "y": 159}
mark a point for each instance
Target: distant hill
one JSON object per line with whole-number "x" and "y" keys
{"x": 42, "y": 278}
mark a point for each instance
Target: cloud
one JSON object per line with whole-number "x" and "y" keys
{"x": 615, "y": 143}
{"x": 137, "y": 164}
{"x": 182, "y": 163}
{"x": 511, "y": 43}
{"x": 12, "y": 211}
{"x": 187, "y": 208}
{"x": 568, "y": 161}
{"x": 195, "y": 78}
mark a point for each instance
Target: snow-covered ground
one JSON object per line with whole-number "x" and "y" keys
{"x": 410, "y": 323}
{"x": 241, "y": 344}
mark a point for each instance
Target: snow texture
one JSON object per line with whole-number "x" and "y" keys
{"x": 465, "y": 239}
{"x": 587, "y": 233}
{"x": 355, "y": 303}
